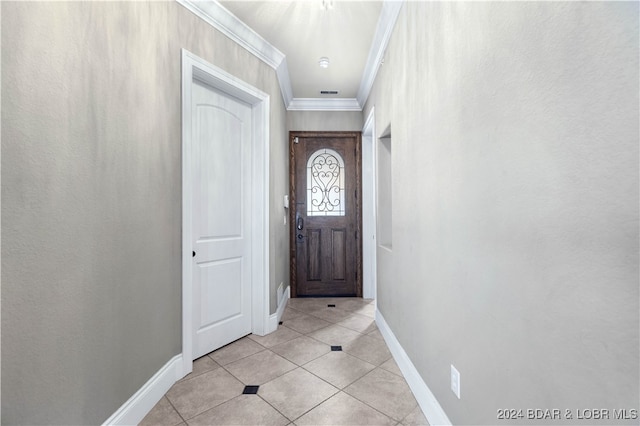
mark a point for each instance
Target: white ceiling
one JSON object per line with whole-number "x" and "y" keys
{"x": 304, "y": 31}
{"x": 291, "y": 36}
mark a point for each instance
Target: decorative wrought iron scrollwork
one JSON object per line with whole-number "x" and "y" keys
{"x": 325, "y": 183}
{"x": 325, "y": 172}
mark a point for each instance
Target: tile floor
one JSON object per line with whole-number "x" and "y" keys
{"x": 302, "y": 381}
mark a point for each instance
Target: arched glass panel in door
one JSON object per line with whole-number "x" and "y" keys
{"x": 325, "y": 184}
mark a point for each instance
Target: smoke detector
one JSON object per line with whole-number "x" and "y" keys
{"x": 324, "y": 62}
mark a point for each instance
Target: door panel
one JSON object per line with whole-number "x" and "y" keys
{"x": 338, "y": 254}
{"x": 219, "y": 303}
{"x": 219, "y": 161}
{"x": 314, "y": 255}
{"x": 221, "y": 219}
{"x": 326, "y": 214}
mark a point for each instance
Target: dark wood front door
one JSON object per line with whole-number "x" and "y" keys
{"x": 325, "y": 213}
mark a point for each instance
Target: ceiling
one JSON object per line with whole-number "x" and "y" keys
{"x": 305, "y": 31}
{"x": 292, "y": 36}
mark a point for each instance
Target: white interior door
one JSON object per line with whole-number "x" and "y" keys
{"x": 221, "y": 167}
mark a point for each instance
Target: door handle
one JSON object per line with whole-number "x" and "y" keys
{"x": 300, "y": 224}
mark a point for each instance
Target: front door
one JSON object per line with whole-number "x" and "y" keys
{"x": 325, "y": 214}
{"x": 221, "y": 223}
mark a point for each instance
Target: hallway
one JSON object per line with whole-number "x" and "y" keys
{"x": 303, "y": 376}
{"x": 499, "y": 157}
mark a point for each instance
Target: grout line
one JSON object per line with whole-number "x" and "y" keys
{"x": 304, "y": 334}
{"x": 269, "y": 404}
{"x": 176, "y": 410}
{"x": 317, "y": 405}
{"x": 355, "y": 356}
{"x": 324, "y": 380}
{"x": 235, "y": 341}
{"x": 307, "y": 362}
{"x": 371, "y": 406}
{"x": 349, "y": 384}
{"x": 338, "y": 389}
{"x": 369, "y": 372}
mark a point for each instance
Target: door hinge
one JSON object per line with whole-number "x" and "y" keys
{"x": 356, "y": 235}
{"x": 355, "y": 193}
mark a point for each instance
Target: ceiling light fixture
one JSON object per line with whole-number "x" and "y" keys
{"x": 327, "y": 4}
{"x": 324, "y": 62}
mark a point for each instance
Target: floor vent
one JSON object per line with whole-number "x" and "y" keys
{"x": 250, "y": 390}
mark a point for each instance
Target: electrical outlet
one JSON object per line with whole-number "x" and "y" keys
{"x": 455, "y": 381}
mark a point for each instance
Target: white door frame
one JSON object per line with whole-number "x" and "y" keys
{"x": 369, "y": 173}
{"x": 195, "y": 68}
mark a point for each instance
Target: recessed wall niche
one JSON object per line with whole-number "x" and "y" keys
{"x": 385, "y": 191}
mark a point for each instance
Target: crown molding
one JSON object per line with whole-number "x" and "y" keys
{"x": 282, "y": 73}
{"x": 324, "y": 104}
{"x": 384, "y": 29}
{"x": 228, "y": 24}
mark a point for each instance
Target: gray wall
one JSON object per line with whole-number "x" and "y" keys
{"x": 515, "y": 202}
{"x": 91, "y": 199}
{"x": 325, "y": 121}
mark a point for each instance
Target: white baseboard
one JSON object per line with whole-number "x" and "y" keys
{"x": 283, "y": 305}
{"x": 275, "y": 318}
{"x": 133, "y": 411}
{"x": 427, "y": 401}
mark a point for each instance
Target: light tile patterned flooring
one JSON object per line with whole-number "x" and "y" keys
{"x": 302, "y": 381}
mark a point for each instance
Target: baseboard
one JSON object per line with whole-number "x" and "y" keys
{"x": 274, "y": 319}
{"x": 283, "y": 305}
{"x": 427, "y": 401}
{"x": 133, "y": 411}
